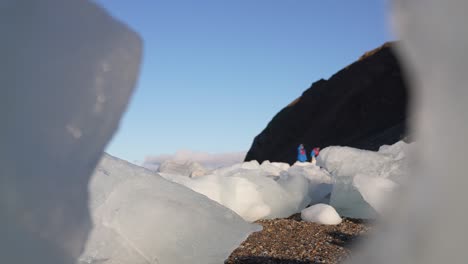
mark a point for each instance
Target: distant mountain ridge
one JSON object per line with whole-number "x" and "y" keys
{"x": 363, "y": 106}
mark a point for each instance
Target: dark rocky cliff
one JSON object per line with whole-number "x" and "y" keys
{"x": 363, "y": 106}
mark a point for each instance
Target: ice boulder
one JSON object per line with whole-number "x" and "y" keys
{"x": 250, "y": 192}
{"x": 347, "y": 199}
{"x": 250, "y": 165}
{"x": 68, "y": 70}
{"x": 322, "y": 214}
{"x": 364, "y": 180}
{"x": 273, "y": 169}
{"x": 375, "y": 190}
{"x": 428, "y": 224}
{"x": 140, "y": 217}
{"x": 319, "y": 180}
{"x": 281, "y": 165}
{"x": 398, "y": 150}
{"x": 346, "y": 161}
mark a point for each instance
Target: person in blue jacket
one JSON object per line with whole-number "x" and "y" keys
{"x": 313, "y": 154}
{"x": 301, "y": 153}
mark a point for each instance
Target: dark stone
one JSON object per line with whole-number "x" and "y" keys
{"x": 362, "y": 106}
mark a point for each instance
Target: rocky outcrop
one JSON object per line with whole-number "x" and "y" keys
{"x": 362, "y": 106}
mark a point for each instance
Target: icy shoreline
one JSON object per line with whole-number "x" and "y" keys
{"x": 140, "y": 215}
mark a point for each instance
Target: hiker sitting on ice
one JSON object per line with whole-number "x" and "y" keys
{"x": 314, "y": 153}
{"x": 301, "y": 153}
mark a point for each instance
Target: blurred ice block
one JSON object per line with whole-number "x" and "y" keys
{"x": 67, "y": 72}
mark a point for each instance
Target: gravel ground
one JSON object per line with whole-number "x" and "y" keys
{"x": 293, "y": 241}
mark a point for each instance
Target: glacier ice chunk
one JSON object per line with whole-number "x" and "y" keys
{"x": 67, "y": 74}
{"x": 347, "y": 161}
{"x": 321, "y": 214}
{"x": 142, "y": 218}
{"x": 375, "y": 191}
{"x": 363, "y": 181}
{"x": 273, "y": 169}
{"x": 319, "y": 180}
{"x": 250, "y": 192}
{"x": 348, "y": 200}
{"x": 428, "y": 224}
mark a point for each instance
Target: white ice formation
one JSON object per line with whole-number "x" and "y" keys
{"x": 322, "y": 214}
{"x": 67, "y": 72}
{"x": 358, "y": 181}
{"x": 266, "y": 191}
{"x": 426, "y": 224}
{"x": 142, "y": 218}
{"x": 364, "y": 180}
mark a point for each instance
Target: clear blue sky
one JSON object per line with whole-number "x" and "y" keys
{"x": 215, "y": 72}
